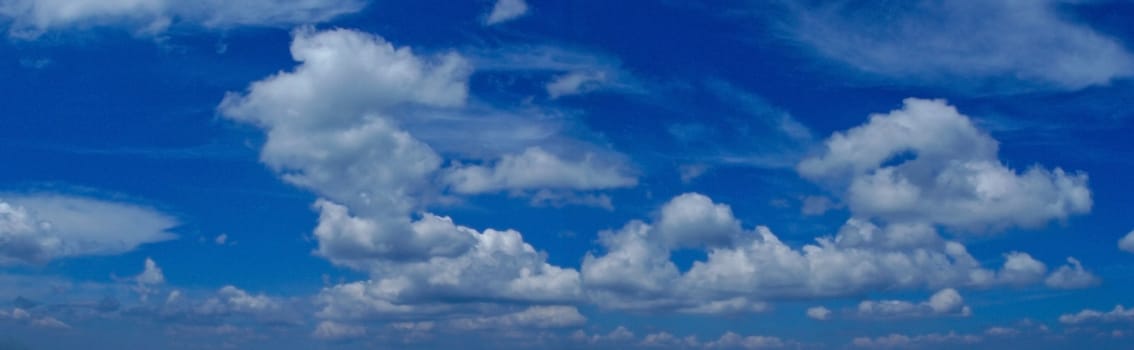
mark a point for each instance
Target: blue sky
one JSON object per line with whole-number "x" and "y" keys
{"x": 511, "y": 174}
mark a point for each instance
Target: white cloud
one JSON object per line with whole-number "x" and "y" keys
{"x": 344, "y": 123}
{"x": 731, "y": 340}
{"x": 635, "y": 271}
{"x": 1021, "y": 269}
{"x": 816, "y": 205}
{"x": 970, "y": 45}
{"x": 900, "y": 341}
{"x": 50, "y": 322}
{"x": 576, "y": 83}
{"x": 1118, "y": 314}
{"x": 693, "y": 220}
{"x": 532, "y": 317}
{"x": 945, "y": 302}
{"x": 819, "y": 313}
{"x": 616, "y": 336}
{"x": 506, "y": 10}
{"x": 148, "y": 280}
{"x": 221, "y": 239}
{"x": 31, "y": 18}
{"x": 537, "y": 168}
{"x": 1072, "y": 276}
{"x": 690, "y": 172}
{"x": 330, "y": 330}
{"x": 945, "y": 171}
{"x": 1127, "y": 243}
{"x": 35, "y": 229}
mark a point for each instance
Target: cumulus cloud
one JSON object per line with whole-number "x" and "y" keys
{"x": 506, "y": 10}
{"x": 974, "y": 45}
{"x": 35, "y": 229}
{"x": 635, "y": 271}
{"x": 150, "y": 278}
{"x": 945, "y": 302}
{"x": 1126, "y": 244}
{"x": 819, "y": 313}
{"x": 31, "y": 18}
{"x": 344, "y": 123}
{"x": 1118, "y": 314}
{"x": 928, "y": 163}
{"x": 1072, "y": 276}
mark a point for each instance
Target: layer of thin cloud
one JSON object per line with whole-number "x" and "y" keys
{"x": 38, "y": 228}
{"x": 971, "y": 45}
{"x": 32, "y": 18}
{"x": 901, "y": 341}
{"x": 1118, "y": 314}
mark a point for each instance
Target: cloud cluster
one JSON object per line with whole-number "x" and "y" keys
{"x": 945, "y": 302}
{"x": 343, "y": 124}
{"x": 928, "y": 163}
{"x": 745, "y": 267}
{"x": 900, "y": 341}
{"x": 38, "y": 228}
{"x": 31, "y": 18}
{"x": 1118, "y": 314}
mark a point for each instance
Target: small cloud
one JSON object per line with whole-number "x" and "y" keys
{"x": 819, "y": 313}
{"x": 1126, "y": 244}
{"x": 35, "y": 63}
{"x": 575, "y": 83}
{"x": 506, "y": 10}
{"x": 817, "y": 205}
{"x": 690, "y": 172}
{"x": 221, "y": 239}
{"x": 49, "y": 322}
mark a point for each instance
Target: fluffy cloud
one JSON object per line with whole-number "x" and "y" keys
{"x": 1126, "y": 244}
{"x": 754, "y": 265}
{"x": 35, "y": 229}
{"x": 819, "y": 313}
{"x": 150, "y": 278}
{"x": 31, "y": 18}
{"x": 344, "y": 123}
{"x": 928, "y": 163}
{"x": 945, "y": 302}
{"x": 1118, "y": 314}
{"x": 506, "y": 10}
{"x": 1071, "y": 276}
{"x": 973, "y": 45}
